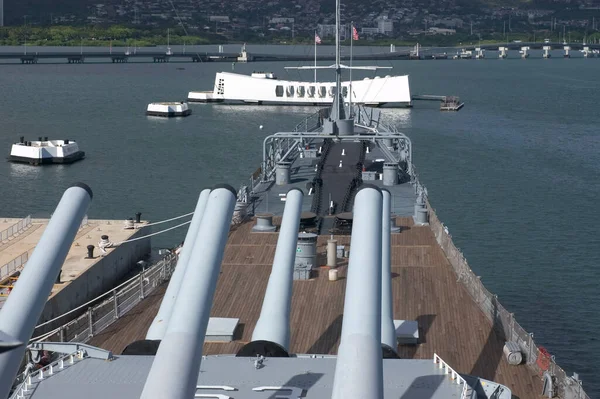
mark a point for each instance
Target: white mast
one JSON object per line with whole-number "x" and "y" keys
{"x": 350, "y": 86}
{"x": 169, "y": 52}
{"x": 315, "y": 39}
{"x": 338, "y": 111}
{"x": 338, "y": 104}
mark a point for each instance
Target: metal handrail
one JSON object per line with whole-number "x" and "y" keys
{"x": 121, "y": 300}
{"x": 99, "y": 317}
{"x": 16, "y": 228}
{"x": 29, "y": 380}
{"x": 503, "y": 321}
{"x": 9, "y": 268}
{"x": 454, "y": 376}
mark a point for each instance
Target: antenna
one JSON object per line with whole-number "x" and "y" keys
{"x": 338, "y": 104}
{"x": 169, "y": 52}
{"x": 338, "y": 113}
{"x": 351, "y": 55}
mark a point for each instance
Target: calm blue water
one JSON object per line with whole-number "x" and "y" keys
{"x": 515, "y": 175}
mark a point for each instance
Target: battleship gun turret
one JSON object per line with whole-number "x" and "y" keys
{"x": 161, "y": 321}
{"x": 359, "y": 365}
{"x": 174, "y": 372}
{"x": 271, "y": 336}
{"x": 388, "y": 331}
{"x": 25, "y": 303}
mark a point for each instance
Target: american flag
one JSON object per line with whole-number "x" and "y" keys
{"x": 317, "y": 39}
{"x": 354, "y": 34}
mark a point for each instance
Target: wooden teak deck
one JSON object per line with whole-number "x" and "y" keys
{"x": 425, "y": 289}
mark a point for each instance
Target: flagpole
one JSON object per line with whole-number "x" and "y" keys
{"x": 315, "y": 39}
{"x": 351, "y": 41}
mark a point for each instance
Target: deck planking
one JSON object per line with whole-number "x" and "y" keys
{"x": 424, "y": 287}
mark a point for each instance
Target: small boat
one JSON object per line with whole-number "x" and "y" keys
{"x": 465, "y": 54}
{"x": 45, "y": 151}
{"x": 168, "y": 109}
{"x": 451, "y": 103}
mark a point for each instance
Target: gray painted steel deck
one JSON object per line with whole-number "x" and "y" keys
{"x": 268, "y": 195}
{"x": 125, "y": 376}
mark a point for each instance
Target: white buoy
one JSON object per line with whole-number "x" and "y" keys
{"x": 343, "y": 151}
{"x": 260, "y": 127}
{"x": 340, "y": 163}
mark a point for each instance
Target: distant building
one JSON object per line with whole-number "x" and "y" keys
{"x": 281, "y": 20}
{"x": 448, "y": 22}
{"x": 369, "y": 31}
{"x": 385, "y": 26}
{"x": 219, "y": 18}
{"x": 329, "y": 31}
{"x": 441, "y": 31}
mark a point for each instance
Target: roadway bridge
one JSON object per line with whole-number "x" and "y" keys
{"x": 78, "y": 57}
{"x": 531, "y": 45}
{"x": 154, "y": 56}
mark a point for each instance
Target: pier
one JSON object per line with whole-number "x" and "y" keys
{"x": 82, "y": 277}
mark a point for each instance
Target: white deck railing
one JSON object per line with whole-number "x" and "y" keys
{"x": 8, "y": 269}
{"x": 16, "y": 228}
{"x": 115, "y": 304}
{"x": 26, "y": 387}
{"x": 454, "y": 376}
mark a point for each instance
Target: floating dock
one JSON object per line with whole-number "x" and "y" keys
{"x": 168, "y": 109}
{"x": 45, "y": 151}
{"x": 82, "y": 278}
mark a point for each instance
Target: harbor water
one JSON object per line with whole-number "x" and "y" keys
{"x": 514, "y": 175}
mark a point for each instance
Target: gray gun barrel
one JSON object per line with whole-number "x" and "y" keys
{"x": 159, "y": 325}
{"x": 359, "y": 365}
{"x": 388, "y": 331}
{"x": 174, "y": 372}
{"x": 271, "y": 336}
{"x": 26, "y": 302}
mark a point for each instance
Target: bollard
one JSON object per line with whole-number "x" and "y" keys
{"x": 90, "y": 254}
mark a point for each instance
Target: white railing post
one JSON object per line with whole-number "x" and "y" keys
{"x": 90, "y": 323}
{"x": 454, "y": 376}
{"x": 155, "y": 273}
{"x": 116, "y": 304}
{"x": 15, "y": 228}
{"x": 141, "y": 285}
